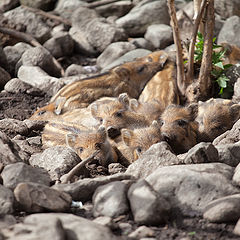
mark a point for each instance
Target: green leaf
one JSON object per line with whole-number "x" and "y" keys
{"x": 222, "y": 81}
{"x": 192, "y": 233}
{"x": 221, "y": 91}
{"x": 219, "y": 64}
{"x": 227, "y": 66}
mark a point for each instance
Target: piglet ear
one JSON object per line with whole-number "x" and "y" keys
{"x": 122, "y": 72}
{"x": 103, "y": 133}
{"x": 94, "y": 110}
{"x": 133, "y": 104}
{"x": 70, "y": 139}
{"x": 193, "y": 110}
{"x": 235, "y": 112}
{"x": 124, "y": 99}
{"x": 126, "y": 136}
{"x": 155, "y": 124}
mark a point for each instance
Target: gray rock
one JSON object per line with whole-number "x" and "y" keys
{"x": 30, "y": 145}
{"x": 66, "y": 9}
{"x": 14, "y": 53}
{"x": 82, "y": 16}
{"x": 236, "y": 94}
{"x": 237, "y": 228}
{"x": 227, "y": 8}
{"x": 6, "y": 5}
{"x": 12, "y": 127}
{"x": 110, "y": 200}
{"x": 61, "y": 44}
{"x": 43, "y": 230}
{"x": 226, "y": 209}
{"x": 77, "y": 227}
{"x": 34, "y": 125}
{"x": 160, "y": 35}
{"x": 157, "y": 155}
{"x": 16, "y": 173}
{"x": 10, "y": 152}
{"x": 229, "y": 154}
{"x": 130, "y": 56}
{"x": 236, "y": 176}
{"x": 230, "y": 136}
{"x": 233, "y": 73}
{"x": 31, "y": 22}
{"x": 6, "y": 201}
{"x": 142, "y": 232}
{"x": 41, "y": 79}
{"x": 81, "y": 43}
{"x": 125, "y": 228}
{"x": 4, "y": 77}
{"x": 41, "y": 57}
{"x": 144, "y": 14}
{"x": 74, "y": 70}
{"x": 101, "y": 34}
{"x": 83, "y": 190}
{"x": 202, "y": 153}
{"x": 230, "y": 31}
{"x": 116, "y": 168}
{"x": 142, "y": 43}
{"x": 95, "y": 31}
{"x": 191, "y": 187}
{"x": 6, "y": 221}
{"x": 15, "y": 85}
{"x": 45, "y": 5}
{"x": 34, "y": 197}
{"x": 147, "y": 205}
{"x": 3, "y": 59}
{"x": 117, "y": 9}
{"x": 113, "y": 52}
{"x": 56, "y": 160}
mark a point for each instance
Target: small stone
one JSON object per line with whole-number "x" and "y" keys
{"x": 34, "y": 197}
{"x": 142, "y": 232}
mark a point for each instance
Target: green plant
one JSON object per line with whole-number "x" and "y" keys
{"x": 218, "y": 68}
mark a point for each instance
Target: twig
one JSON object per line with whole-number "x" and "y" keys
{"x": 68, "y": 176}
{"x": 179, "y": 56}
{"x": 21, "y": 36}
{"x": 190, "y": 71}
{"x": 48, "y": 15}
{"x": 29, "y": 39}
{"x": 206, "y": 65}
{"x": 101, "y": 3}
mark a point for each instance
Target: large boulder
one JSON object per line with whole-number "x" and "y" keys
{"x": 191, "y": 187}
{"x": 144, "y": 14}
{"x": 230, "y": 31}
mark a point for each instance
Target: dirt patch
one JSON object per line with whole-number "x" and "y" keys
{"x": 20, "y": 105}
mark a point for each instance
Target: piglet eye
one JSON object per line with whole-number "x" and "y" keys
{"x": 182, "y": 122}
{"x": 100, "y": 120}
{"x": 140, "y": 69}
{"x": 80, "y": 149}
{"x": 98, "y": 145}
{"x": 139, "y": 149}
{"x": 118, "y": 114}
{"x": 161, "y": 122}
{"x": 41, "y": 112}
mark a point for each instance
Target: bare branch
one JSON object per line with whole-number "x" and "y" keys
{"x": 48, "y": 15}
{"x": 20, "y": 35}
{"x": 28, "y": 39}
{"x": 101, "y": 3}
{"x": 190, "y": 70}
{"x": 206, "y": 65}
{"x": 179, "y": 55}
{"x": 67, "y": 177}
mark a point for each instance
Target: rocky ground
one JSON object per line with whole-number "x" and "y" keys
{"x": 162, "y": 195}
